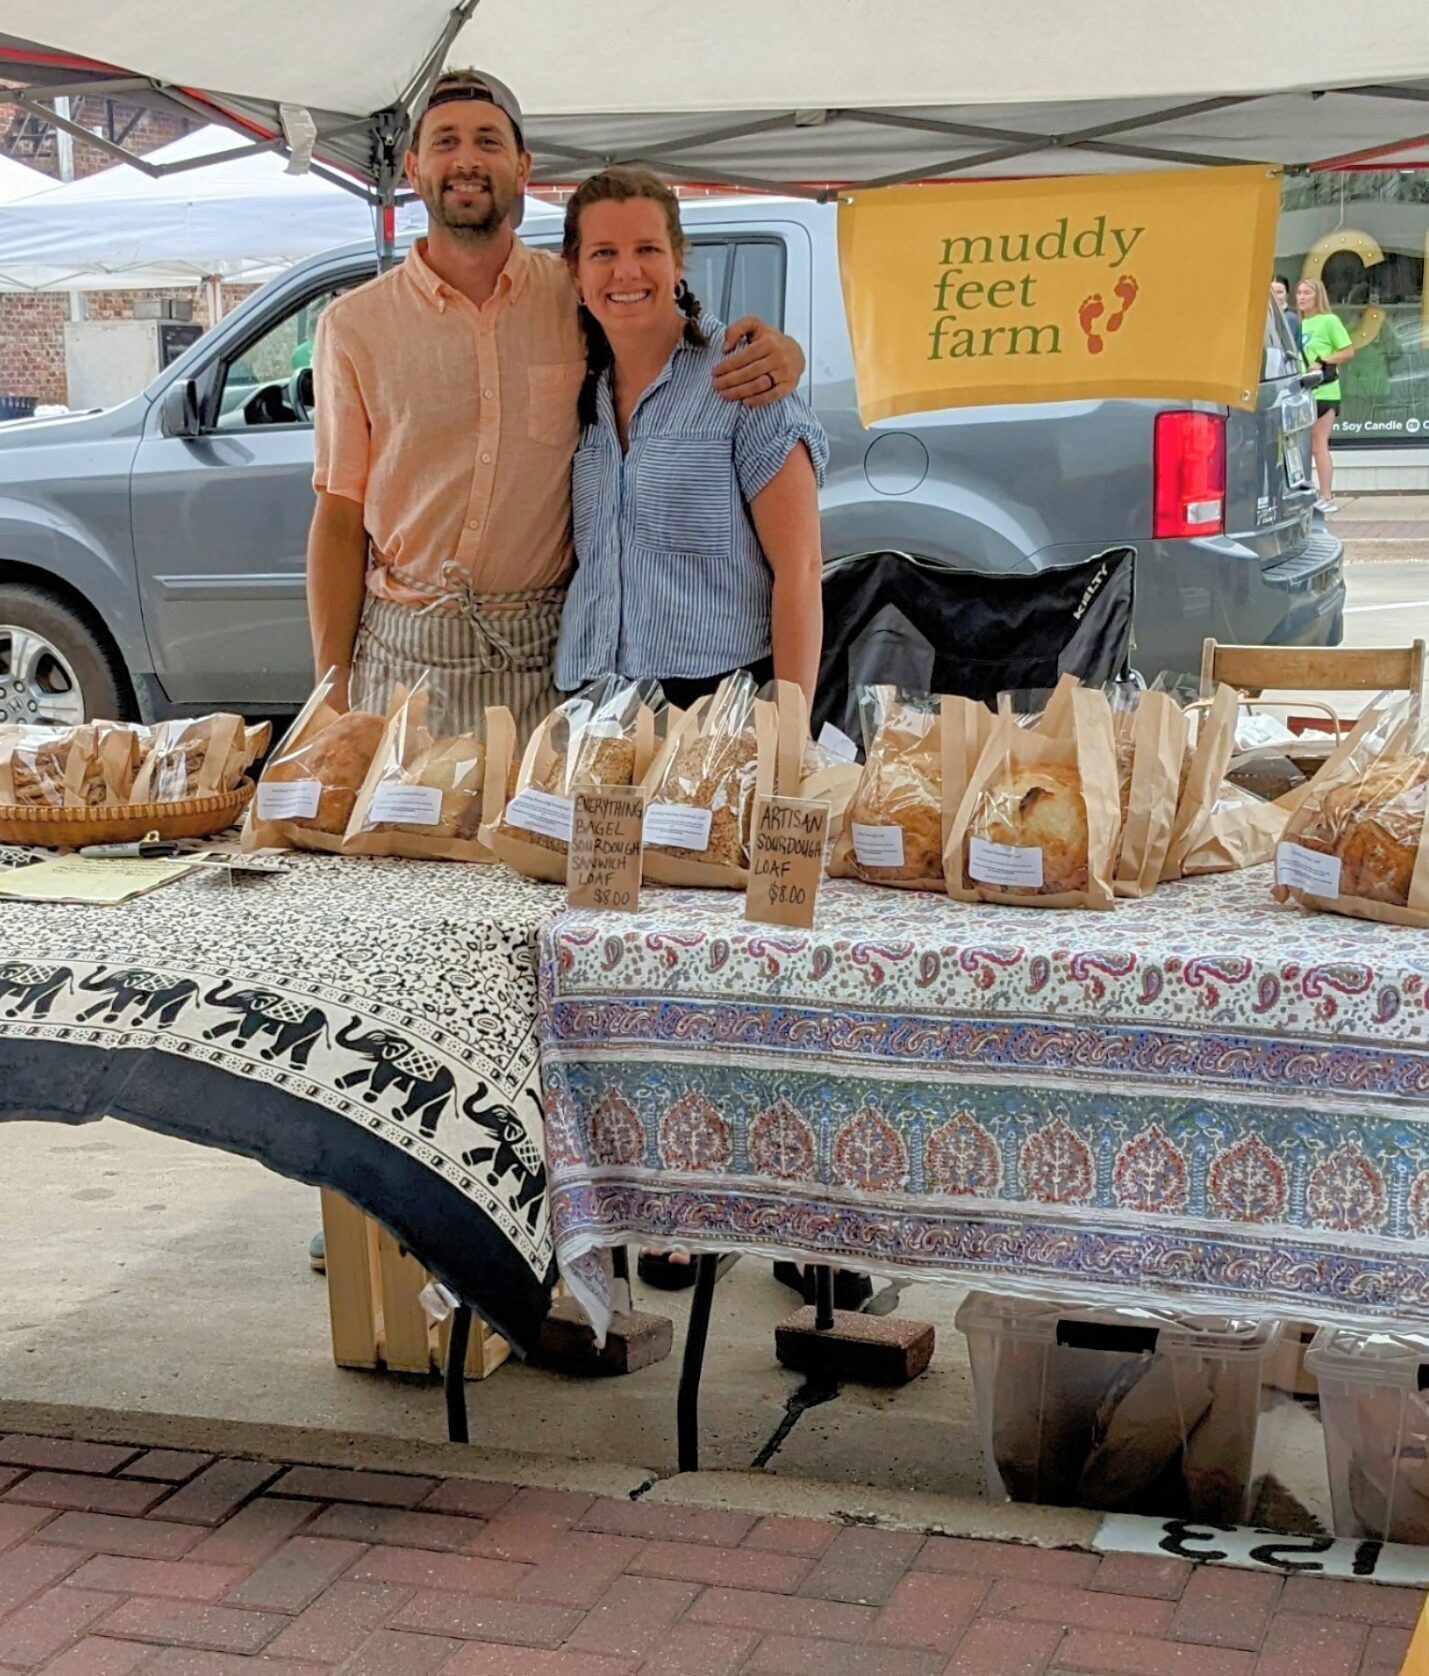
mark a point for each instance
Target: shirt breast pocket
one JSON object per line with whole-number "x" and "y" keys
{"x": 684, "y": 489}
{"x": 551, "y": 404}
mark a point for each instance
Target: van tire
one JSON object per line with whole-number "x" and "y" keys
{"x": 100, "y": 676}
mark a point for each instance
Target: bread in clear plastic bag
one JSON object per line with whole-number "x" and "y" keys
{"x": 901, "y": 786}
{"x": 48, "y": 767}
{"x": 192, "y": 757}
{"x": 1367, "y": 811}
{"x": 1040, "y": 821}
{"x": 600, "y": 736}
{"x": 308, "y": 790}
{"x": 715, "y": 767}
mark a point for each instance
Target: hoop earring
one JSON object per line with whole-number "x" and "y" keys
{"x": 682, "y": 292}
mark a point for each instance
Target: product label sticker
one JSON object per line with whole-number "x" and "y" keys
{"x": 678, "y": 826}
{"x": 540, "y": 811}
{"x": 1307, "y": 870}
{"x": 1012, "y": 865}
{"x": 837, "y": 743}
{"x": 877, "y": 846}
{"x": 786, "y": 860}
{"x": 288, "y": 800}
{"x": 397, "y": 805}
{"x": 603, "y": 862}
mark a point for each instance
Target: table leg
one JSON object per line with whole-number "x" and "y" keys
{"x": 687, "y": 1418}
{"x": 823, "y": 1298}
{"x": 455, "y": 1375}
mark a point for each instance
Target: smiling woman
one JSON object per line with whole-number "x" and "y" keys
{"x": 696, "y": 520}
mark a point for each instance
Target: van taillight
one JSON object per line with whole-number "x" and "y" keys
{"x": 1190, "y": 474}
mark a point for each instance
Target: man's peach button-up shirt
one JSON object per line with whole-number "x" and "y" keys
{"x": 454, "y": 426}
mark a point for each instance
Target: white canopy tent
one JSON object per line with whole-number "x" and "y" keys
{"x": 121, "y": 229}
{"x": 19, "y": 180}
{"x": 799, "y": 94}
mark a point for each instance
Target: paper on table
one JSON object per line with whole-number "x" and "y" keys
{"x": 81, "y": 879}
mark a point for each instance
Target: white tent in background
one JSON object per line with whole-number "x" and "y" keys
{"x": 123, "y": 229}
{"x": 798, "y": 93}
{"x": 19, "y": 180}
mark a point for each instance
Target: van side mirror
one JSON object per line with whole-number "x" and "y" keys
{"x": 180, "y": 410}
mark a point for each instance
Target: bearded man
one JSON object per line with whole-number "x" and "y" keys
{"x": 446, "y": 425}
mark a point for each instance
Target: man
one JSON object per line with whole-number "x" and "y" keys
{"x": 446, "y": 424}
{"x": 445, "y": 396}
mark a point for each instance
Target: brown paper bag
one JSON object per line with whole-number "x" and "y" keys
{"x": 1042, "y": 811}
{"x": 603, "y": 735}
{"x": 1151, "y": 732}
{"x": 920, "y": 753}
{"x": 1204, "y": 773}
{"x": 722, "y": 754}
{"x": 1242, "y": 831}
{"x": 425, "y": 793}
{"x": 314, "y": 777}
{"x": 47, "y": 767}
{"x": 192, "y": 758}
{"x": 1356, "y": 843}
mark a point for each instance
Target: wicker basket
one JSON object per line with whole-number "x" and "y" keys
{"x": 196, "y": 817}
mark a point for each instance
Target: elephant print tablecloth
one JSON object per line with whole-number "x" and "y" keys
{"x": 1203, "y": 1098}
{"x": 364, "y": 1025}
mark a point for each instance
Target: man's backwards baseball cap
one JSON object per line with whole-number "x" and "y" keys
{"x": 456, "y": 86}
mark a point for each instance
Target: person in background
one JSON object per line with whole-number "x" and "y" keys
{"x": 696, "y": 521}
{"x": 1280, "y": 290}
{"x": 1327, "y": 346}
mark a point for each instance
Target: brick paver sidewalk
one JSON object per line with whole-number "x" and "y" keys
{"x": 122, "y": 1562}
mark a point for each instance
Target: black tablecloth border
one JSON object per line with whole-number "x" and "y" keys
{"x": 64, "y": 1082}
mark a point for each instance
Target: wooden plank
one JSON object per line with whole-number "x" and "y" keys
{"x": 404, "y": 1323}
{"x": 1315, "y": 669}
{"x": 351, "y": 1305}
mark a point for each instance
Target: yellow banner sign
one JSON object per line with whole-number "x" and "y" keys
{"x": 1059, "y": 289}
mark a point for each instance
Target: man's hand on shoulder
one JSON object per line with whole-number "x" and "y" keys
{"x": 762, "y": 368}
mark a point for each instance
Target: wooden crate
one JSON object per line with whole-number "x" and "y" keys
{"x": 372, "y": 1291}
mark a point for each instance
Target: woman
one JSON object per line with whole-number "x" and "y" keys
{"x": 696, "y": 529}
{"x": 1327, "y": 345}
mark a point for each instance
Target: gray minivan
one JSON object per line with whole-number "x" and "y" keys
{"x": 152, "y": 555}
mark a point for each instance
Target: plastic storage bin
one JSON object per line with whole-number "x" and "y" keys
{"x": 1374, "y": 1403}
{"x": 1131, "y": 1410}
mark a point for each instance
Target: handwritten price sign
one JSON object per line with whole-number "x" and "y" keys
{"x": 786, "y": 860}
{"x": 603, "y": 866}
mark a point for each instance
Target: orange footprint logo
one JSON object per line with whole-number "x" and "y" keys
{"x": 1088, "y": 315}
{"x": 1128, "y": 290}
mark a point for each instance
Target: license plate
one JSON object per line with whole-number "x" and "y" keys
{"x": 1297, "y": 413}
{"x": 1297, "y": 467}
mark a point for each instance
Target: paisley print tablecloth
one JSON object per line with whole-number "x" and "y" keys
{"x": 1204, "y": 1098}
{"x": 359, "y": 1024}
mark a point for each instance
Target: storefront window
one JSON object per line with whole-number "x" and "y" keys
{"x": 1366, "y": 235}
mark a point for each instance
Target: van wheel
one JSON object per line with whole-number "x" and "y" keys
{"x": 53, "y": 667}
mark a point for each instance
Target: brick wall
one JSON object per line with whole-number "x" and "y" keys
{"x": 32, "y": 351}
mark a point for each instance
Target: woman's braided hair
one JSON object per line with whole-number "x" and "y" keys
{"x": 620, "y": 186}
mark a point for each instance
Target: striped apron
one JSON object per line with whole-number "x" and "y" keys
{"x": 475, "y": 650}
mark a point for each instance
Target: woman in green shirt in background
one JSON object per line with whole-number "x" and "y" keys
{"x": 1327, "y": 345}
